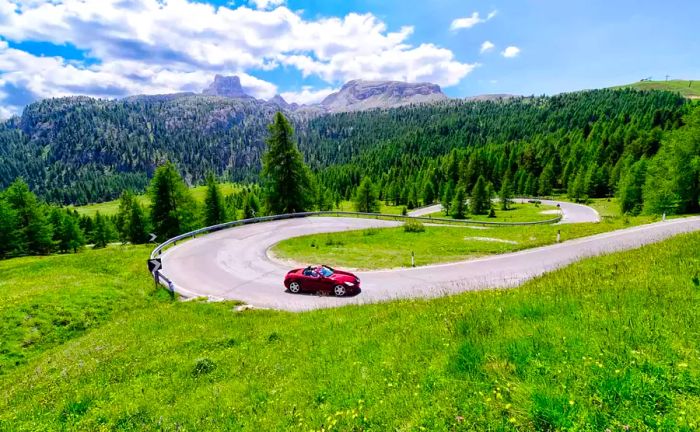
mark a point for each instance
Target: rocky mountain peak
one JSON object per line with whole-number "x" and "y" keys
{"x": 358, "y": 95}
{"x": 279, "y": 101}
{"x": 226, "y": 86}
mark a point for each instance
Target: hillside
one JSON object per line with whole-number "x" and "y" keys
{"x": 79, "y": 150}
{"x": 623, "y": 353}
{"x": 687, "y": 88}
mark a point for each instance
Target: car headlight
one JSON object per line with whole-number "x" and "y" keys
{"x": 349, "y": 284}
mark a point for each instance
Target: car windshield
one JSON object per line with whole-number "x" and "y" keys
{"x": 325, "y": 271}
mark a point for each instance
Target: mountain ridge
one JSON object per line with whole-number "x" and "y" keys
{"x": 358, "y": 95}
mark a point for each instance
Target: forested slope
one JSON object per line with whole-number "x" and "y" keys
{"x": 78, "y": 150}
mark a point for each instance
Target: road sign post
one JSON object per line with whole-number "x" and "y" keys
{"x": 154, "y": 266}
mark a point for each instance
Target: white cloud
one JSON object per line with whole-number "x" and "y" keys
{"x": 267, "y": 4}
{"x": 487, "y": 46}
{"x": 471, "y": 21}
{"x": 423, "y": 63}
{"x": 159, "y": 46}
{"x": 308, "y": 95}
{"x": 510, "y": 52}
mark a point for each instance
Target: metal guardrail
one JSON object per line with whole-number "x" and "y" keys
{"x": 158, "y": 250}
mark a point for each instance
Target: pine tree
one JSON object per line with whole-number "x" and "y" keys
{"x": 126, "y": 201}
{"x": 35, "y": 229}
{"x": 103, "y": 232}
{"x": 9, "y": 229}
{"x": 491, "y": 194}
{"x": 480, "y": 202}
{"x": 214, "y": 208}
{"x": 286, "y": 179}
{"x": 506, "y": 193}
{"x": 324, "y": 198}
{"x": 366, "y": 198}
{"x": 530, "y": 185}
{"x": 447, "y": 197}
{"x": 71, "y": 237}
{"x": 393, "y": 194}
{"x": 138, "y": 225}
{"x": 546, "y": 181}
{"x": 577, "y": 187}
{"x": 173, "y": 209}
{"x": 458, "y": 207}
{"x": 630, "y": 190}
{"x": 87, "y": 225}
{"x": 429, "y": 193}
{"x": 231, "y": 207}
{"x": 412, "y": 197}
{"x": 251, "y": 206}
{"x": 56, "y": 216}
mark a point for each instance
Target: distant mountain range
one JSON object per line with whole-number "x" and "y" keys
{"x": 355, "y": 95}
{"x": 80, "y": 149}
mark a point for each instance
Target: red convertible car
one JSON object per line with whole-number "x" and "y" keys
{"x": 321, "y": 279}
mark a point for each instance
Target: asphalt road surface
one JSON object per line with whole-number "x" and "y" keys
{"x": 572, "y": 213}
{"x": 233, "y": 264}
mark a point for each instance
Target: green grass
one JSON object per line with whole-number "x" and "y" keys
{"x": 391, "y": 247}
{"x": 689, "y": 89}
{"x": 47, "y": 301}
{"x": 606, "y": 343}
{"x": 517, "y": 213}
{"x": 349, "y": 206}
{"x": 109, "y": 208}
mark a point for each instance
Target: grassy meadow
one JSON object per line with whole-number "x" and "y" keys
{"x": 376, "y": 248}
{"x": 689, "y": 89}
{"x": 47, "y": 301}
{"x": 109, "y": 208}
{"x": 607, "y": 343}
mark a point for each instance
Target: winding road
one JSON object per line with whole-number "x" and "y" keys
{"x": 571, "y": 213}
{"x": 234, "y": 264}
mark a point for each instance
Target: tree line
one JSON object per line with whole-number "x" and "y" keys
{"x": 80, "y": 150}
{"x": 645, "y": 157}
{"x": 29, "y": 226}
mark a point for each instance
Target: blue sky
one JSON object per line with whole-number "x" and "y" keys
{"x": 305, "y": 49}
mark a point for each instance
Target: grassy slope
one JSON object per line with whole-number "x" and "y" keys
{"x": 604, "y": 343}
{"x": 112, "y": 207}
{"x": 686, "y": 88}
{"x": 47, "y": 301}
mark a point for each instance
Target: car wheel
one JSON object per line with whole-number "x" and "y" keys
{"x": 294, "y": 287}
{"x": 339, "y": 290}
